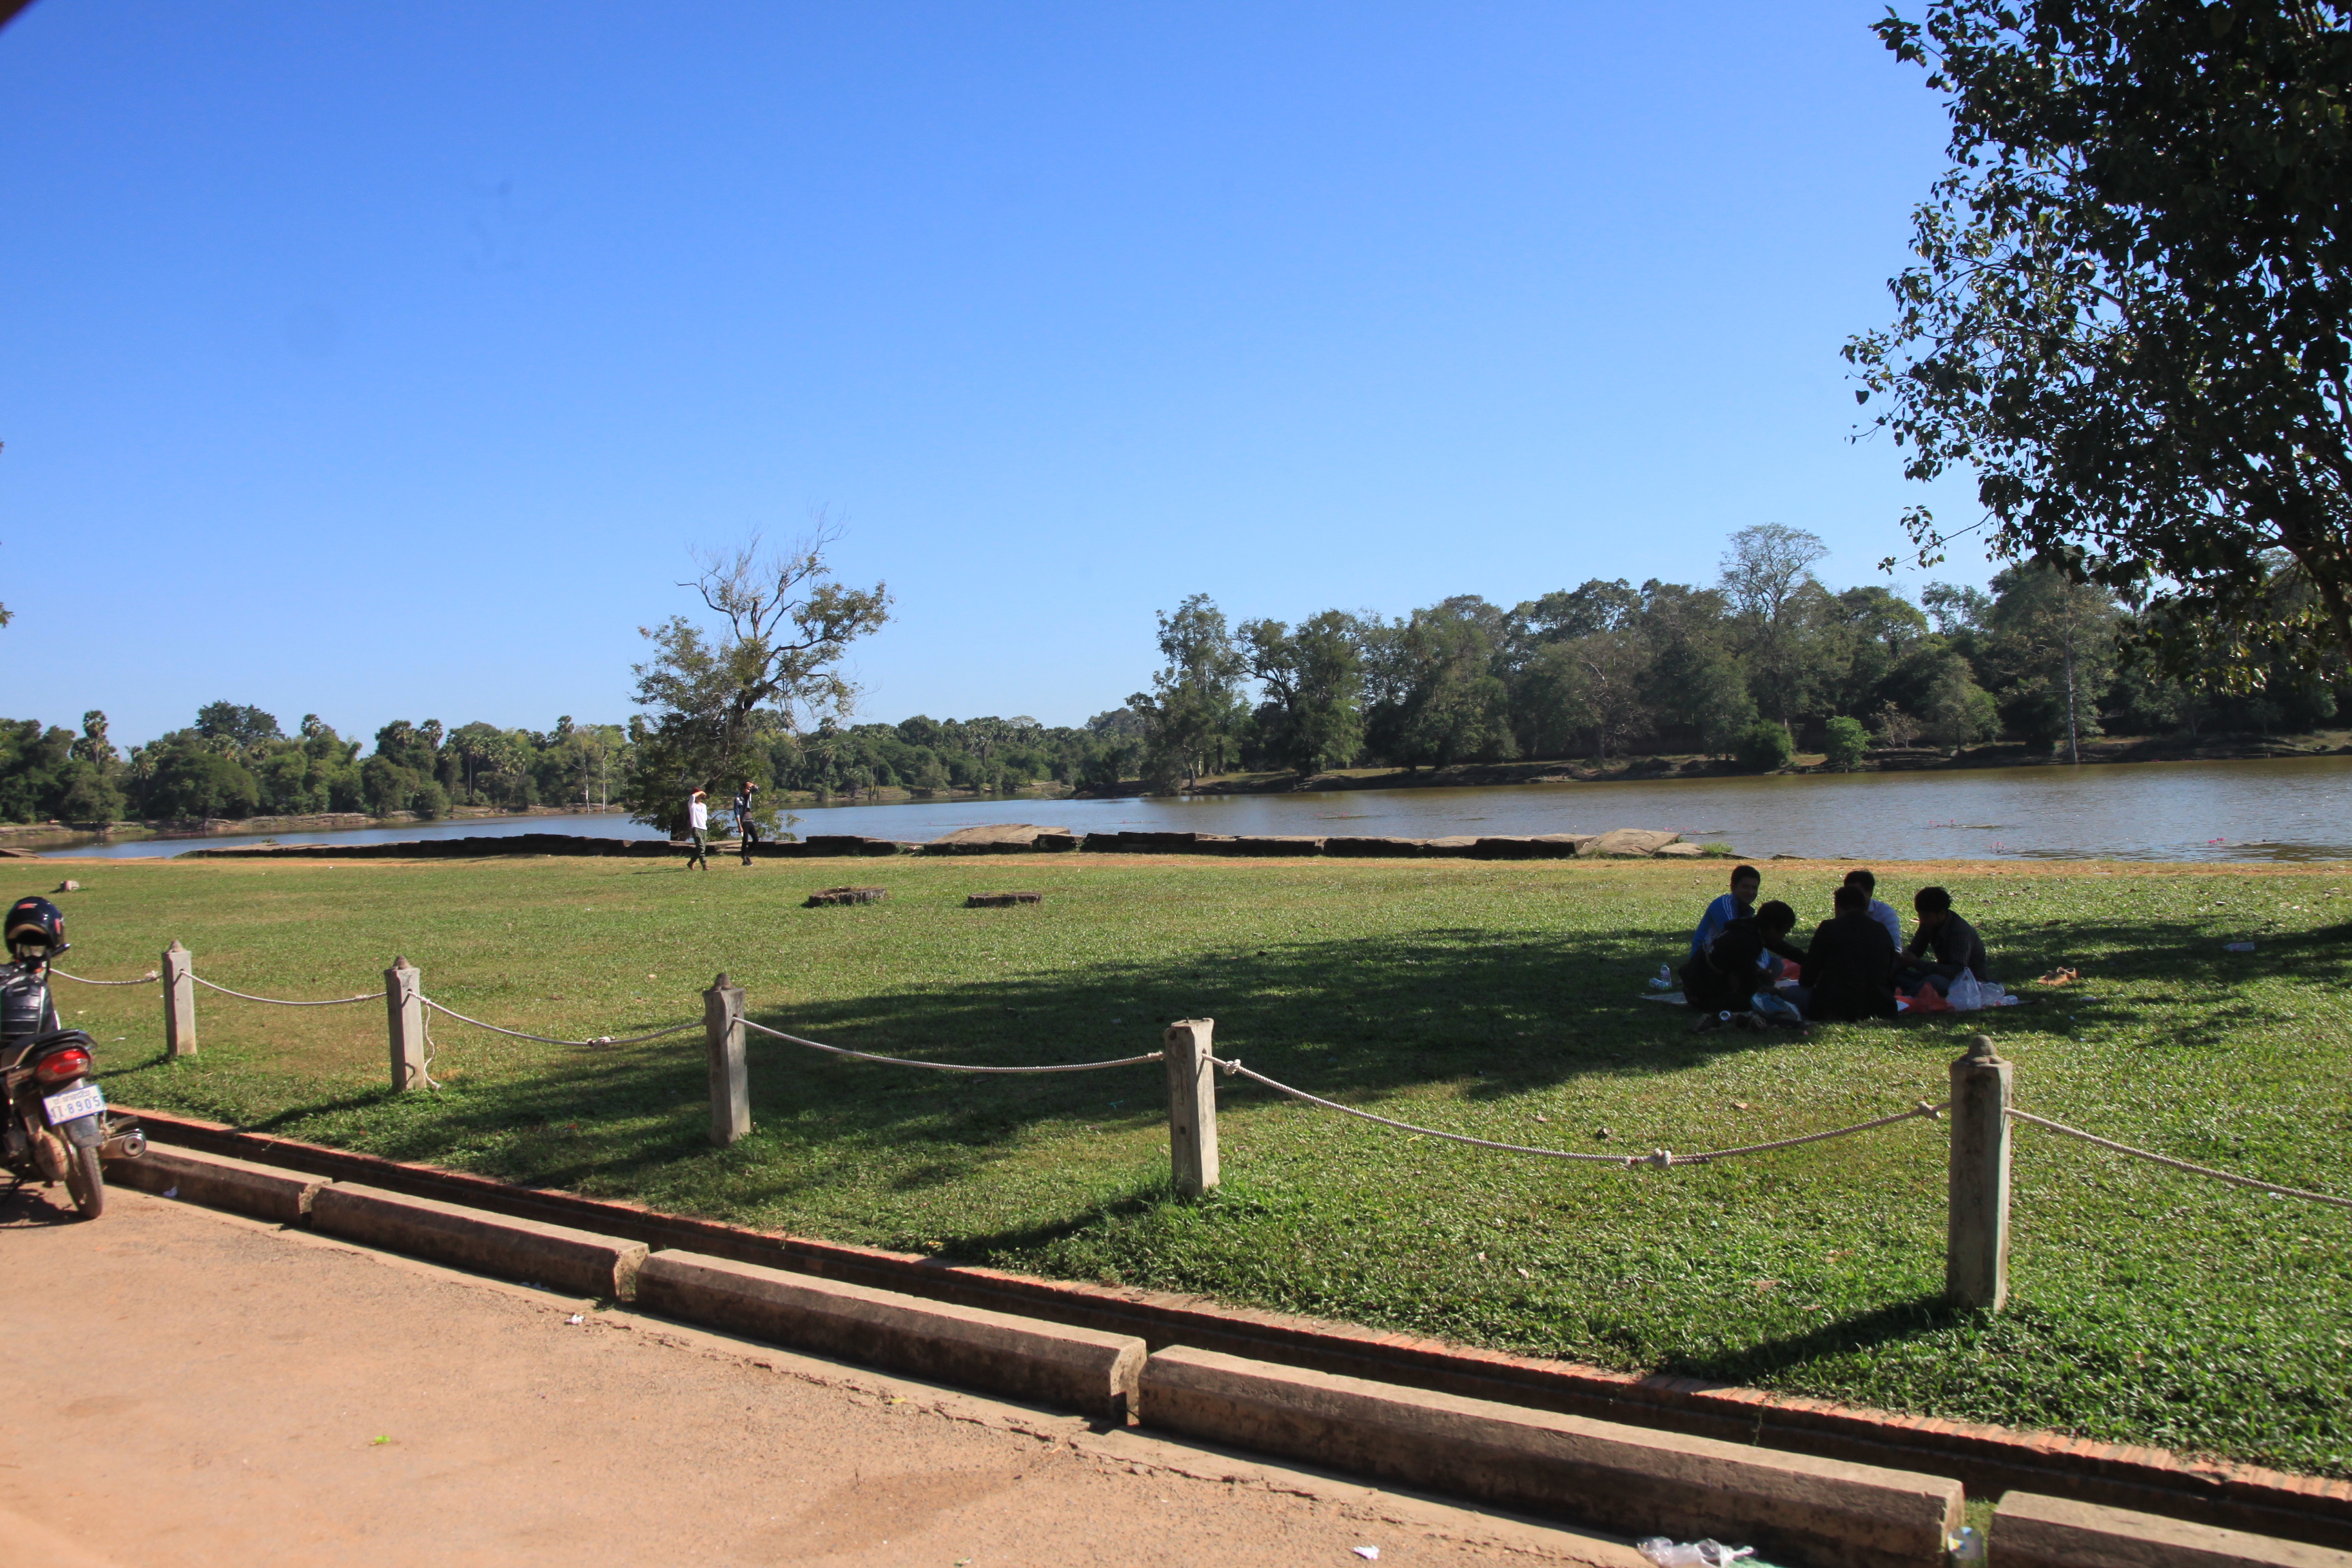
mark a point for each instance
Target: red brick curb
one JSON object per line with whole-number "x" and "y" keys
{"x": 1988, "y": 1459}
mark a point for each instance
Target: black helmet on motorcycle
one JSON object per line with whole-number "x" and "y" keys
{"x": 36, "y": 923}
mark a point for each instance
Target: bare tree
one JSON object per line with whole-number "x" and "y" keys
{"x": 1766, "y": 565}
{"x": 773, "y": 665}
{"x": 1764, "y": 572}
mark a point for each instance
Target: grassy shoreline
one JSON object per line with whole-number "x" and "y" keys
{"x": 1496, "y": 998}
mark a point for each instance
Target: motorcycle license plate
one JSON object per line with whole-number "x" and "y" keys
{"x": 84, "y": 1101}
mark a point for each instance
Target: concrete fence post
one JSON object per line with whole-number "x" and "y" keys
{"x": 1976, "y": 1251}
{"x": 179, "y": 1001}
{"x": 404, "y": 1006}
{"x": 731, "y": 1080}
{"x": 1191, "y": 1104}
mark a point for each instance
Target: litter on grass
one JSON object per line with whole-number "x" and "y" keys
{"x": 1668, "y": 1554}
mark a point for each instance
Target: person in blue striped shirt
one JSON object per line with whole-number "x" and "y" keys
{"x": 1737, "y": 904}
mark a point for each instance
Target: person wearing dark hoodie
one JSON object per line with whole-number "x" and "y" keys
{"x": 1850, "y": 969}
{"x": 1958, "y": 949}
{"x": 1735, "y": 966}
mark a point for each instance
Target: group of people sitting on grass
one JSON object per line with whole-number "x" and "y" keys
{"x": 1743, "y": 968}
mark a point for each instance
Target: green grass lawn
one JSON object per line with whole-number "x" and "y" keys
{"x": 1493, "y": 998}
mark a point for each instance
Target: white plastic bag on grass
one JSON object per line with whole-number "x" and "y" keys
{"x": 1668, "y": 1554}
{"x": 1965, "y": 995}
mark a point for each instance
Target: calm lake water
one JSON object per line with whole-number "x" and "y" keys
{"x": 2290, "y": 809}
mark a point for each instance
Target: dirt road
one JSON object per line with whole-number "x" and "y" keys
{"x": 188, "y": 1388}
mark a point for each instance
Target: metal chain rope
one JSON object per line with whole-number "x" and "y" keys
{"x": 2234, "y": 1181}
{"x": 551, "y": 1040}
{"x": 950, "y": 1066}
{"x": 150, "y": 978}
{"x": 1662, "y": 1158}
{"x": 282, "y": 1002}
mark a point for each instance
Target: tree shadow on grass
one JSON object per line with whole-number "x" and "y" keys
{"x": 1898, "y": 1321}
{"x": 1357, "y": 1020}
{"x": 1352, "y": 1020}
{"x": 1349, "y": 1020}
{"x": 1026, "y": 1239}
{"x": 2188, "y": 959}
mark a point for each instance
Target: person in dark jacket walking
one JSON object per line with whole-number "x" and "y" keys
{"x": 1850, "y": 969}
{"x": 747, "y": 827}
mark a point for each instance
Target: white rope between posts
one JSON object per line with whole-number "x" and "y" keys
{"x": 432, "y": 1050}
{"x": 282, "y": 1002}
{"x": 1923, "y": 1108}
{"x": 1235, "y": 1066}
{"x": 147, "y": 979}
{"x": 950, "y": 1066}
{"x": 1662, "y": 1158}
{"x": 551, "y": 1040}
{"x": 2234, "y": 1181}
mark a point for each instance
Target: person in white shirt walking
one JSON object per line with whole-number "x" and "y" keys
{"x": 698, "y": 818}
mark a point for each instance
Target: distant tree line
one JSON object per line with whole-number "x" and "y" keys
{"x": 982, "y": 754}
{"x": 1766, "y": 661}
{"x": 235, "y": 762}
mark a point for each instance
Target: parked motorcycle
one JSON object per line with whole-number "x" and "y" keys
{"x": 58, "y": 1126}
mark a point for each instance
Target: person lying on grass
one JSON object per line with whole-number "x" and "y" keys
{"x": 1880, "y": 910}
{"x": 1740, "y": 962}
{"x": 1850, "y": 969}
{"x": 1728, "y": 907}
{"x": 1957, "y": 948}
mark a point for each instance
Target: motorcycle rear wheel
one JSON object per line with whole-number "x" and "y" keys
{"x": 86, "y": 1181}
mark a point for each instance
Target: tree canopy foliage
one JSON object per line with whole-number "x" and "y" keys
{"x": 772, "y": 669}
{"x": 1600, "y": 669}
{"x": 1766, "y": 661}
{"x": 1195, "y": 697}
{"x": 2131, "y": 317}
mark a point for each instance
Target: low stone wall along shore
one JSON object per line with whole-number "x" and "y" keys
{"x": 1016, "y": 838}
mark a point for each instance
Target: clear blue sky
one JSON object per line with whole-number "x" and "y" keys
{"x": 388, "y": 361}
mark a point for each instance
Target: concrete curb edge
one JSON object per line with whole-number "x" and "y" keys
{"x": 1990, "y": 1460}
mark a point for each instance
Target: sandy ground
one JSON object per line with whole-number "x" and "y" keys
{"x": 190, "y": 1388}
